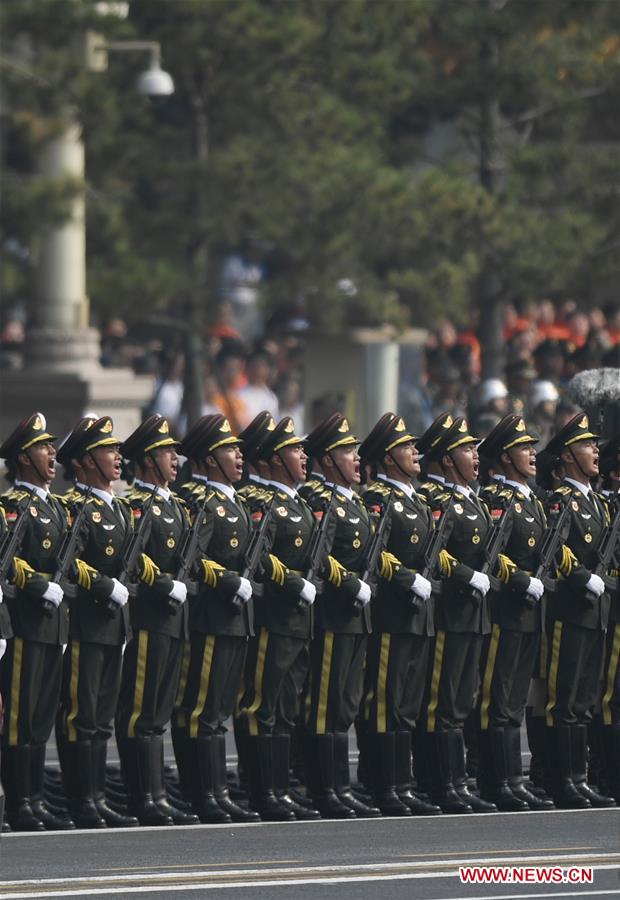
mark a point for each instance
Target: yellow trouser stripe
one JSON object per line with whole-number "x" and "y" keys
{"x": 544, "y": 654}
{"x": 73, "y": 690}
{"x": 138, "y": 694}
{"x": 205, "y": 677}
{"x": 488, "y": 678}
{"x": 612, "y": 672}
{"x": 179, "y": 714}
{"x": 552, "y": 681}
{"x": 258, "y": 681}
{"x": 328, "y": 648}
{"x": 18, "y": 658}
{"x": 382, "y": 683}
{"x": 440, "y": 643}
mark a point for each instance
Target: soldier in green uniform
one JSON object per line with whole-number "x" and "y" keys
{"x": 462, "y": 617}
{"x": 609, "y": 726}
{"x": 159, "y": 619}
{"x": 73, "y": 471}
{"x": 316, "y": 480}
{"x": 6, "y": 632}
{"x": 256, "y": 490}
{"x": 577, "y": 617}
{"x": 342, "y": 617}
{"x": 284, "y": 619}
{"x": 402, "y": 622}
{"x": 510, "y": 652}
{"x": 221, "y": 615}
{"x": 431, "y": 479}
{"x": 99, "y": 627}
{"x": 31, "y": 670}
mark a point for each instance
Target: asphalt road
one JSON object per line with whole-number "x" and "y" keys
{"x": 391, "y": 859}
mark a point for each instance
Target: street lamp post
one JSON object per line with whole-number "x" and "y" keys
{"x": 62, "y": 372}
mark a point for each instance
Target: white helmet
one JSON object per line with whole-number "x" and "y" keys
{"x": 544, "y": 392}
{"x": 491, "y": 389}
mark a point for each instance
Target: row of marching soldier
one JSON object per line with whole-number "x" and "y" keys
{"x": 430, "y": 616}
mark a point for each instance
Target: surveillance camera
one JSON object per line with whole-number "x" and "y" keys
{"x": 155, "y": 82}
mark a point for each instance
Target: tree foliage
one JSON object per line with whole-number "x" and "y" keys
{"x": 413, "y": 147}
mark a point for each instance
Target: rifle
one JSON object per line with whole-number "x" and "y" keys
{"x": 67, "y": 554}
{"x": 256, "y": 548}
{"x": 10, "y": 547}
{"x": 435, "y": 543}
{"x": 189, "y": 552}
{"x": 319, "y": 548}
{"x": 606, "y": 550}
{"x": 377, "y": 545}
{"x": 495, "y": 541}
{"x": 136, "y": 544}
{"x": 554, "y": 536}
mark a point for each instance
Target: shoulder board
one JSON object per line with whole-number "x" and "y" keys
{"x": 506, "y": 493}
{"x": 564, "y": 490}
{"x": 15, "y": 495}
{"x": 210, "y": 496}
{"x": 281, "y": 495}
{"x": 378, "y": 487}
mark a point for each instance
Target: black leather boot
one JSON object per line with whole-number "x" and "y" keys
{"x": 565, "y": 794}
{"x": 112, "y": 818}
{"x": 439, "y": 763}
{"x": 579, "y": 749}
{"x": 160, "y": 796}
{"x": 260, "y": 777}
{"x": 342, "y": 780}
{"x": 145, "y": 808}
{"x": 220, "y": 783}
{"x": 404, "y": 777}
{"x": 16, "y": 779}
{"x": 512, "y": 745}
{"x": 281, "y": 745}
{"x": 536, "y": 728}
{"x": 610, "y": 742}
{"x": 459, "y": 774}
{"x": 84, "y": 812}
{"x": 382, "y": 748}
{"x": 51, "y": 820}
{"x": 205, "y": 805}
{"x": 319, "y": 750}
{"x": 498, "y": 790}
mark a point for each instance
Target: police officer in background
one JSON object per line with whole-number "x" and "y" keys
{"x": 159, "y": 619}
{"x": 31, "y": 670}
{"x": 220, "y": 616}
{"x": 578, "y": 615}
{"x": 99, "y": 627}
{"x": 510, "y": 652}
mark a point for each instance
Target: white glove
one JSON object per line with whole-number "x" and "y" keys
{"x": 2, "y": 647}
{"x": 422, "y": 587}
{"x": 245, "y": 588}
{"x": 596, "y": 585}
{"x": 535, "y": 588}
{"x": 178, "y": 592}
{"x": 54, "y": 593}
{"x": 119, "y": 594}
{"x": 308, "y": 592}
{"x": 364, "y": 594}
{"x": 1, "y": 595}
{"x": 480, "y": 582}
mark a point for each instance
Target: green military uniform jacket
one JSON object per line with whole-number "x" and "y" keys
{"x": 612, "y": 503}
{"x": 457, "y": 609}
{"x": 589, "y": 517}
{"x": 151, "y": 609}
{"x": 335, "y": 606}
{"x": 395, "y": 610}
{"x": 36, "y": 565}
{"x": 509, "y": 606}
{"x": 224, "y": 538}
{"x": 279, "y": 610}
{"x": 105, "y": 535}
{"x": 6, "y": 629}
